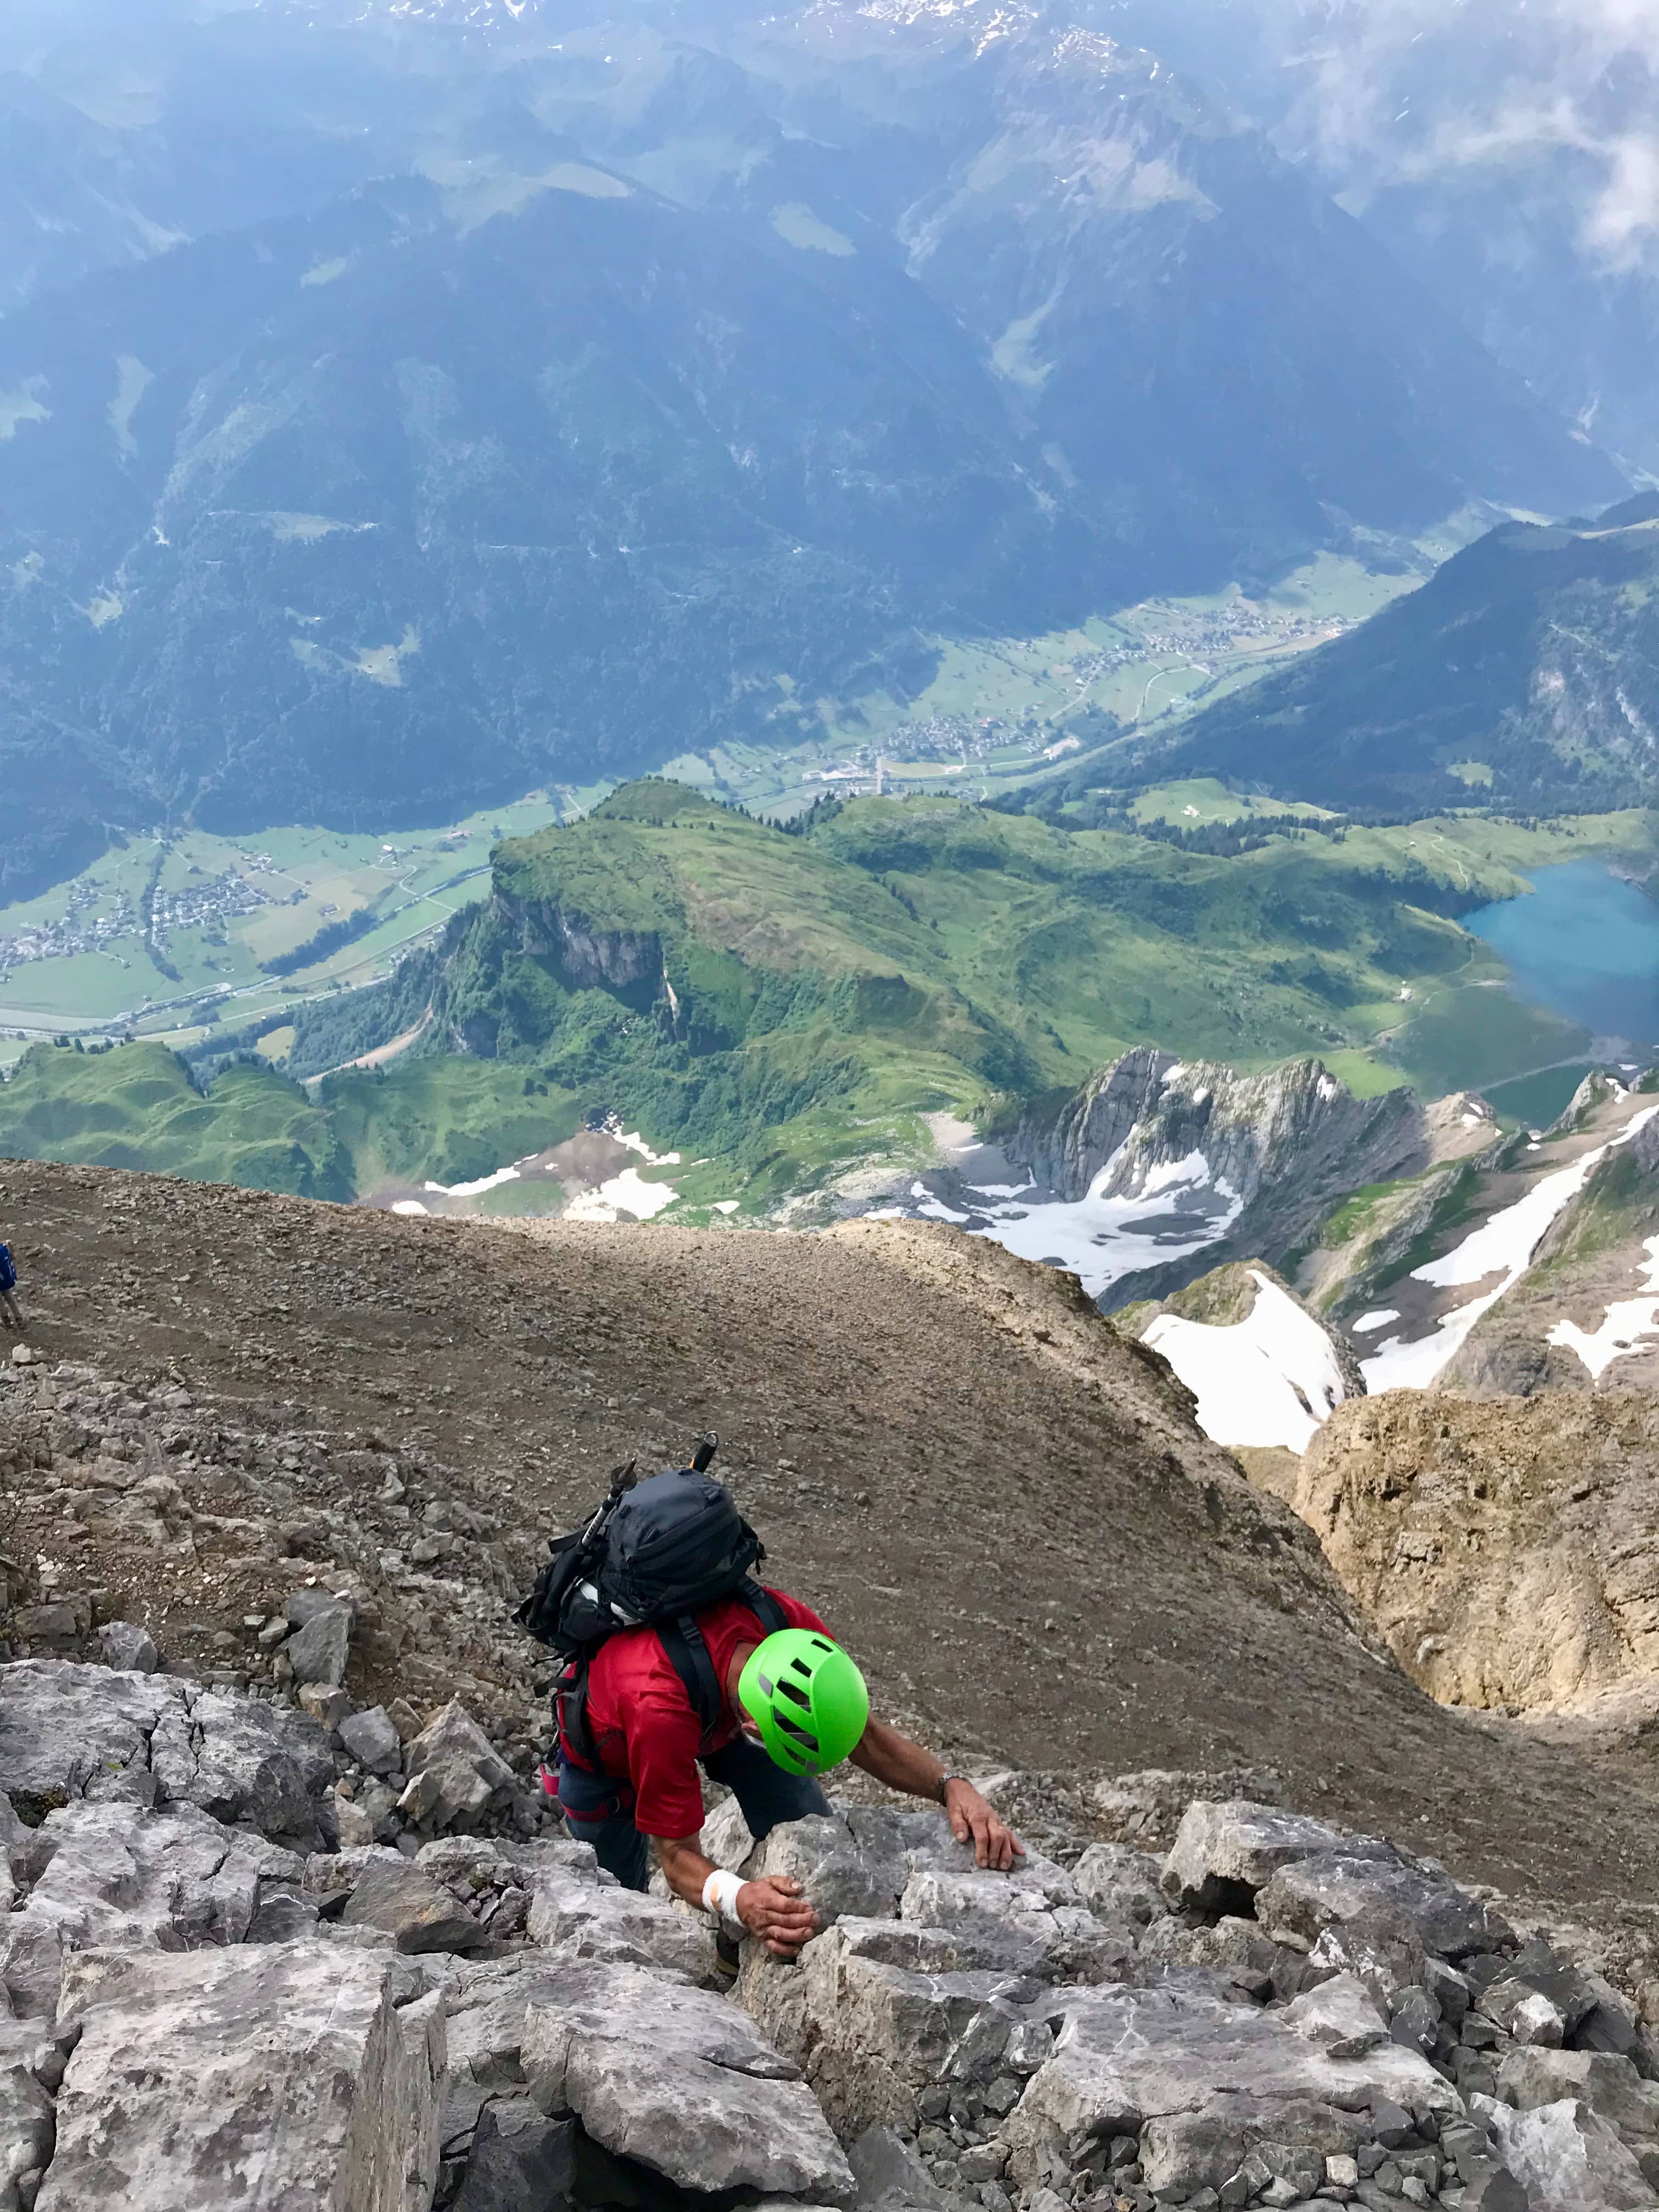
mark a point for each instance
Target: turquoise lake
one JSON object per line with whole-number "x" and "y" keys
{"x": 1585, "y": 944}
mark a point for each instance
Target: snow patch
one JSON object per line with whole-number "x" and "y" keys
{"x": 1270, "y": 1379}
{"x": 409, "y": 1204}
{"x": 724, "y": 1205}
{"x": 1100, "y": 1239}
{"x": 1368, "y": 1323}
{"x": 628, "y": 1193}
{"x": 635, "y": 1143}
{"x": 473, "y": 1190}
{"x": 1623, "y": 1328}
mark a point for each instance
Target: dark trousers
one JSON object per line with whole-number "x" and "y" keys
{"x": 599, "y": 1810}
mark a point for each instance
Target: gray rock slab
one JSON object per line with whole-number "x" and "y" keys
{"x": 841, "y": 1871}
{"x": 454, "y": 1769}
{"x": 1222, "y": 1849}
{"x": 1020, "y": 1925}
{"x": 1378, "y": 1884}
{"x": 1204, "y": 2078}
{"x": 27, "y": 2124}
{"x": 414, "y": 1909}
{"x": 317, "y": 1652}
{"x": 572, "y": 1913}
{"x": 679, "y": 2079}
{"x": 282, "y": 2073}
{"x": 243, "y": 1760}
{"x": 370, "y": 1738}
{"x": 890, "y": 2177}
{"x": 64, "y": 1726}
{"x": 1340, "y": 2015}
{"x": 1569, "y": 2159}
{"x": 302, "y": 1605}
{"x": 487, "y": 2002}
{"x": 1608, "y": 2084}
{"x": 1119, "y": 1883}
{"x": 100, "y": 1874}
{"x": 878, "y": 2011}
{"x": 726, "y": 1838}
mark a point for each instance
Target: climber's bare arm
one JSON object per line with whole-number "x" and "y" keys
{"x": 772, "y": 1908}
{"x": 902, "y": 1765}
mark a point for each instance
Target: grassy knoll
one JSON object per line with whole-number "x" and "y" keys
{"x": 134, "y": 1106}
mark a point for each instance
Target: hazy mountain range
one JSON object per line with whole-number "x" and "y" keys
{"x": 402, "y": 407}
{"x": 1506, "y": 154}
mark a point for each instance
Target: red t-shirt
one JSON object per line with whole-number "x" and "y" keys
{"x": 644, "y": 1726}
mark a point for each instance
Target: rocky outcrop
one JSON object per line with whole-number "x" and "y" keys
{"x": 1284, "y": 1148}
{"x": 1290, "y": 2015}
{"x": 1506, "y": 1548}
{"x": 1277, "y": 2014}
{"x": 593, "y": 959}
{"x": 288, "y": 2071}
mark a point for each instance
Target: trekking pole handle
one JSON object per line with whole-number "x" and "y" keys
{"x": 704, "y": 1455}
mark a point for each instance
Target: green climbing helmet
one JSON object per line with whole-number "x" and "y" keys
{"x": 806, "y": 1697}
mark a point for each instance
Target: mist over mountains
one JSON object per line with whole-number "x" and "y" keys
{"x": 1506, "y": 155}
{"x": 403, "y": 406}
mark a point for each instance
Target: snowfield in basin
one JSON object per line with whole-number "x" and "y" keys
{"x": 1270, "y": 1379}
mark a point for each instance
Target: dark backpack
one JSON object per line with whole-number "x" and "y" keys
{"x": 654, "y": 1555}
{"x": 8, "y": 1269}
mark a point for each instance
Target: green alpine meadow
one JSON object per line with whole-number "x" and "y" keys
{"x": 785, "y": 1005}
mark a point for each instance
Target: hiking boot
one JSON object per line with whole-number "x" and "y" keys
{"x": 728, "y": 1956}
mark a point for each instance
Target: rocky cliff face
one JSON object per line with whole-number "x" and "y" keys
{"x": 1506, "y": 1548}
{"x": 1278, "y": 1151}
{"x": 593, "y": 959}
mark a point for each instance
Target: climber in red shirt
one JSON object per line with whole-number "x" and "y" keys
{"x": 787, "y": 1704}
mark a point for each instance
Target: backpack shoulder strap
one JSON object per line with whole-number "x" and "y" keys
{"x": 682, "y": 1641}
{"x": 570, "y": 1707}
{"x": 760, "y": 1602}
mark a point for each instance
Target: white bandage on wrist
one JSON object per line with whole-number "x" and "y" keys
{"x": 720, "y": 1894}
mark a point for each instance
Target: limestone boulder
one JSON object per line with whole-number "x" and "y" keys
{"x": 415, "y": 1912}
{"x": 1372, "y": 1883}
{"x": 573, "y": 1914}
{"x": 1201, "y": 2078}
{"x": 113, "y": 1874}
{"x": 1568, "y": 2158}
{"x": 455, "y": 1772}
{"x": 487, "y": 2003}
{"x": 1223, "y": 1854}
{"x": 318, "y": 1651}
{"x": 679, "y": 2079}
{"x": 284, "y": 2073}
{"x": 68, "y": 1731}
{"x": 1604, "y": 2083}
{"x": 878, "y": 2011}
{"x": 241, "y": 1759}
{"x": 1019, "y": 1925}
{"x": 27, "y": 2125}
{"x": 1119, "y": 1883}
{"x": 847, "y": 1863}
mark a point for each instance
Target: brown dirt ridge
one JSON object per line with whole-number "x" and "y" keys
{"x": 1005, "y": 1509}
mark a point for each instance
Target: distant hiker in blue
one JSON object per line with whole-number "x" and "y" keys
{"x": 10, "y": 1311}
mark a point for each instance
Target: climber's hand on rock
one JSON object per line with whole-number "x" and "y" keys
{"x": 972, "y": 1821}
{"x": 775, "y": 1910}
